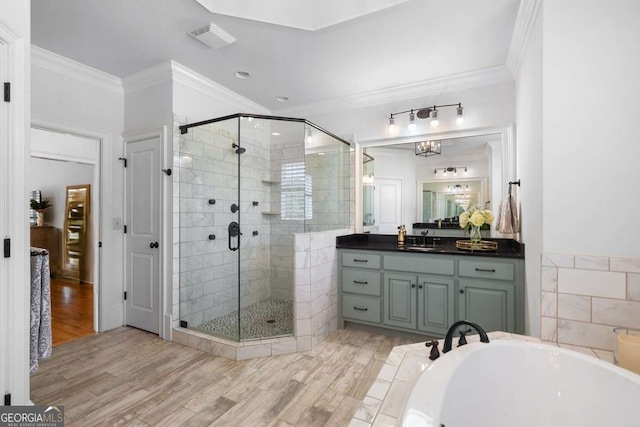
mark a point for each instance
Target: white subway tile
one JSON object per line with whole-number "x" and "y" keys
{"x": 616, "y": 312}
{"x": 560, "y": 260}
{"x": 549, "y": 329}
{"x": 549, "y": 279}
{"x": 633, "y": 286}
{"x": 629, "y": 265}
{"x": 590, "y": 282}
{"x": 574, "y": 307}
{"x": 585, "y": 334}
{"x": 549, "y": 304}
{"x": 592, "y": 262}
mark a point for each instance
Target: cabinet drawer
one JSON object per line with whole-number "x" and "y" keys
{"x": 486, "y": 270}
{"x": 361, "y": 260}
{"x": 359, "y": 307}
{"x": 419, "y": 264}
{"x": 361, "y": 282}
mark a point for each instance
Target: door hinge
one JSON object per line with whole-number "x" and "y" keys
{"x": 99, "y": 244}
{"x": 7, "y": 399}
{"x": 7, "y": 248}
{"x": 7, "y": 92}
{"x": 124, "y": 159}
{"x": 125, "y": 229}
{"x": 125, "y": 296}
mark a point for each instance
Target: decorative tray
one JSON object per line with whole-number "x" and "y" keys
{"x": 483, "y": 245}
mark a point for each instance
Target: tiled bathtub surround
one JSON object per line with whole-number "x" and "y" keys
{"x": 384, "y": 402}
{"x": 584, "y": 297}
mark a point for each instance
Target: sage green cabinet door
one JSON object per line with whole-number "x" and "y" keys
{"x": 490, "y": 304}
{"x": 400, "y": 300}
{"x": 435, "y": 304}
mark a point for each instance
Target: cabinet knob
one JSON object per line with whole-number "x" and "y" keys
{"x": 419, "y": 286}
{"x": 413, "y": 285}
{"x": 461, "y": 291}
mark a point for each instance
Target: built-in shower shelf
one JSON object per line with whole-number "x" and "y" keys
{"x": 271, "y": 213}
{"x": 266, "y": 181}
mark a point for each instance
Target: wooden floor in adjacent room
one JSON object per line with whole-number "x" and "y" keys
{"x": 130, "y": 377}
{"x": 71, "y": 310}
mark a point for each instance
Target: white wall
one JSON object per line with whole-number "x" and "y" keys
{"x": 529, "y": 165}
{"x": 591, "y": 127}
{"x": 52, "y": 178}
{"x": 68, "y": 102}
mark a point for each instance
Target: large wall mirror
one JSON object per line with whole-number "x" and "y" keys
{"x": 76, "y": 223}
{"x": 472, "y": 169}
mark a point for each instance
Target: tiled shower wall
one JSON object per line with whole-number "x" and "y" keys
{"x": 205, "y": 167}
{"x": 330, "y": 190}
{"x": 282, "y": 231}
{"x": 584, "y": 297}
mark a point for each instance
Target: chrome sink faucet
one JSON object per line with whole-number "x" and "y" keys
{"x": 447, "y": 341}
{"x": 424, "y": 236}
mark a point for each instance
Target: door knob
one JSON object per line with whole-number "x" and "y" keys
{"x": 153, "y": 245}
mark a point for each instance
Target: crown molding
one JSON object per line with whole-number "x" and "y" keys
{"x": 59, "y": 64}
{"x": 452, "y": 83}
{"x": 525, "y": 21}
{"x": 198, "y": 82}
{"x": 171, "y": 71}
{"x": 148, "y": 77}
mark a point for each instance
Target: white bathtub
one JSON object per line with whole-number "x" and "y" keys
{"x": 514, "y": 383}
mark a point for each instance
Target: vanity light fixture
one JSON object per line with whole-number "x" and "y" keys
{"x": 426, "y": 113}
{"x": 392, "y": 125}
{"x": 428, "y": 148}
{"x": 412, "y": 121}
{"x": 450, "y": 169}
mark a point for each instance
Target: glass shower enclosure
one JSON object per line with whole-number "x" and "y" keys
{"x": 246, "y": 184}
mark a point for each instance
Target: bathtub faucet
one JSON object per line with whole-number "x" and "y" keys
{"x": 447, "y": 341}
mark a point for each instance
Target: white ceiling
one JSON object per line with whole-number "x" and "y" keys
{"x": 410, "y": 42}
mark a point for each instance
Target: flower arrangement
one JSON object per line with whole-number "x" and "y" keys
{"x": 474, "y": 218}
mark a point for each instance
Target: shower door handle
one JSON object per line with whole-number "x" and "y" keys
{"x": 234, "y": 231}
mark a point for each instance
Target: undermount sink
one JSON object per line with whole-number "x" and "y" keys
{"x": 421, "y": 248}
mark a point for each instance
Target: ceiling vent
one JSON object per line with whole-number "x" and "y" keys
{"x": 213, "y": 36}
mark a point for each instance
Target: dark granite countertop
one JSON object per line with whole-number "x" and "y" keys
{"x": 507, "y": 248}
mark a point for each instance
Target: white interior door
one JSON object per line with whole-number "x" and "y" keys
{"x": 142, "y": 218}
{"x": 388, "y": 204}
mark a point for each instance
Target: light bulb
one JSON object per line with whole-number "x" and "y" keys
{"x": 392, "y": 124}
{"x": 434, "y": 118}
{"x": 455, "y": 172}
{"x": 460, "y": 116}
{"x": 309, "y": 138}
{"x": 412, "y": 121}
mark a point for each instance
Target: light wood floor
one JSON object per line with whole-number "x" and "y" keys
{"x": 71, "y": 311}
{"x": 133, "y": 378}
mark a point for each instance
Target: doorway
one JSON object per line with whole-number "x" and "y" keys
{"x": 61, "y": 164}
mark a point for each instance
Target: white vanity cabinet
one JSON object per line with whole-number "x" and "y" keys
{"x": 425, "y": 292}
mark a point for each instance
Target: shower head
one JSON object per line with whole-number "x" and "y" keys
{"x": 238, "y": 149}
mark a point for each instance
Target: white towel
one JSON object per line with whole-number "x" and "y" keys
{"x": 508, "y": 221}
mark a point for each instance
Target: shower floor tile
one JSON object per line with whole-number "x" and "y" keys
{"x": 265, "y": 319}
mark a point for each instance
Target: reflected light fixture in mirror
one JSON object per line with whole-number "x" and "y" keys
{"x": 428, "y": 148}
{"x": 434, "y": 119}
{"x": 309, "y": 138}
{"x": 451, "y": 169}
{"x": 392, "y": 124}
